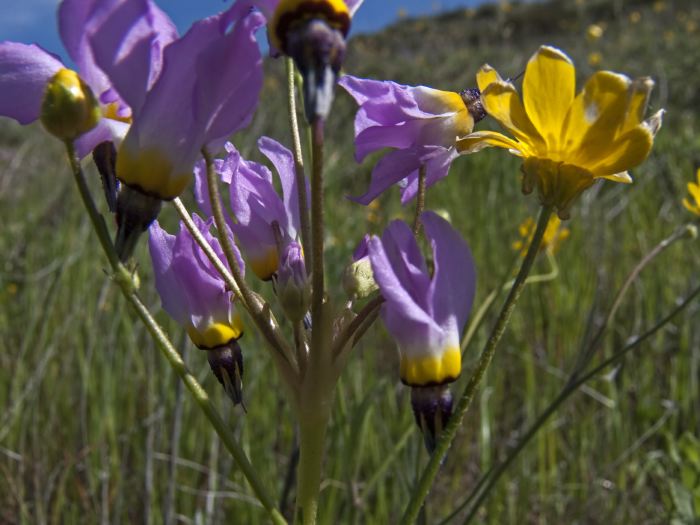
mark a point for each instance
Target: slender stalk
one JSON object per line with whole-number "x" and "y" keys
{"x": 206, "y": 248}
{"x": 420, "y": 198}
{"x": 298, "y": 157}
{"x": 491, "y": 478}
{"x": 124, "y": 280}
{"x": 312, "y": 437}
{"x": 317, "y": 232}
{"x": 426, "y": 480}
{"x": 259, "y": 311}
{"x": 346, "y": 334}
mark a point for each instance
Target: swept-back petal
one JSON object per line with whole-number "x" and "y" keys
{"x": 454, "y": 275}
{"x": 127, "y": 38}
{"x": 485, "y": 139}
{"x": 161, "y": 244}
{"x": 549, "y": 87}
{"x": 437, "y": 165}
{"x": 502, "y": 102}
{"x": 25, "y": 71}
{"x": 637, "y": 102}
{"x": 106, "y": 130}
{"x": 393, "y": 167}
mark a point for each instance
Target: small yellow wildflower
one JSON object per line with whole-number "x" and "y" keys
{"x": 694, "y": 190}
{"x": 635, "y": 17}
{"x": 567, "y": 141}
{"x": 659, "y": 6}
{"x": 595, "y": 58}
{"x": 594, "y": 32}
{"x": 554, "y": 235}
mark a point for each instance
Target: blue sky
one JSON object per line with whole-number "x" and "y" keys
{"x": 33, "y": 21}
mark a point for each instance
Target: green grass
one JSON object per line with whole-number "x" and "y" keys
{"x": 94, "y": 426}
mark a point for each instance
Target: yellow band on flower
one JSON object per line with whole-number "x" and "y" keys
{"x": 216, "y": 334}
{"x": 266, "y": 264}
{"x": 150, "y": 171}
{"x": 431, "y": 370}
{"x": 291, "y": 12}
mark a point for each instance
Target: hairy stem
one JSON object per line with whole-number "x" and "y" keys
{"x": 420, "y": 199}
{"x": 123, "y": 278}
{"x": 298, "y": 157}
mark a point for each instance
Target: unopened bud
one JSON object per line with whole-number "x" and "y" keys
{"x": 69, "y": 108}
{"x": 432, "y": 409}
{"x": 227, "y": 364}
{"x": 293, "y": 286}
{"x": 358, "y": 279}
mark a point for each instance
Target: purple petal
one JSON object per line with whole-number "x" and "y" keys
{"x": 229, "y": 78}
{"x": 106, "y": 130}
{"x": 283, "y": 161}
{"x": 25, "y": 71}
{"x": 353, "y": 5}
{"x": 127, "y": 38}
{"x": 362, "y": 249}
{"x": 454, "y": 275}
{"x": 437, "y": 166}
{"x": 160, "y": 245}
{"x": 390, "y": 169}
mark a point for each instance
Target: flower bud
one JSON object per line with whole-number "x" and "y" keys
{"x": 227, "y": 364}
{"x": 358, "y": 278}
{"x": 293, "y": 287}
{"x": 69, "y": 108}
{"x": 432, "y": 409}
{"x": 313, "y": 34}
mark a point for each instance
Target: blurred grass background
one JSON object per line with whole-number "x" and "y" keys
{"x": 94, "y": 427}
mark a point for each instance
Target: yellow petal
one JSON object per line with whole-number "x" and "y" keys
{"x": 627, "y": 151}
{"x": 487, "y": 75}
{"x": 622, "y": 177}
{"x": 486, "y": 139}
{"x": 595, "y": 117}
{"x": 638, "y": 100}
{"x": 502, "y": 102}
{"x": 549, "y": 87}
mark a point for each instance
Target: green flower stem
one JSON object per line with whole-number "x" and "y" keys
{"x": 257, "y": 308}
{"x": 491, "y": 478}
{"x": 298, "y": 156}
{"x": 317, "y": 232}
{"x": 485, "y": 307}
{"x": 426, "y": 480}
{"x": 124, "y": 279}
{"x": 420, "y": 198}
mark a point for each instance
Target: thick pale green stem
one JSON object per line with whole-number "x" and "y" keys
{"x": 426, "y": 480}
{"x": 312, "y": 438}
{"x": 317, "y": 232}
{"x": 124, "y": 279}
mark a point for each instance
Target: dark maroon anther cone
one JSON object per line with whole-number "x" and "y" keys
{"x": 136, "y": 211}
{"x": 227, "y": 364}
{"x": 105, "y": 157}
{"x": 472, "y": 99}
{"x": 318, "y": 51}
{"x": 432, "y": 409}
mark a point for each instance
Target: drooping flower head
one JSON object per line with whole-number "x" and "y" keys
{"x": 567, "y": 141}
{"x": 265, "y": 221}
{"x": 206, "y": 89}
{"x": 195, "y": 295}
{"x": 191, "y": 289}
{"x": 312, "y": 32}
{"x": 692, "y": 203}
{"x": 425, "y": 313}
{"x": 421, "y": 124}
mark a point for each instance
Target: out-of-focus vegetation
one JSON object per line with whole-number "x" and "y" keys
{"x": 94, "y": 426}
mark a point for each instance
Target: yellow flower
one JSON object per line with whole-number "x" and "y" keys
{"x": 554, "y": 235}
{"x": 594, "y": 32}
{"x": 594, "y": 58}
{"x": 567, "y": 141}
{"x": 694, "y": 190}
